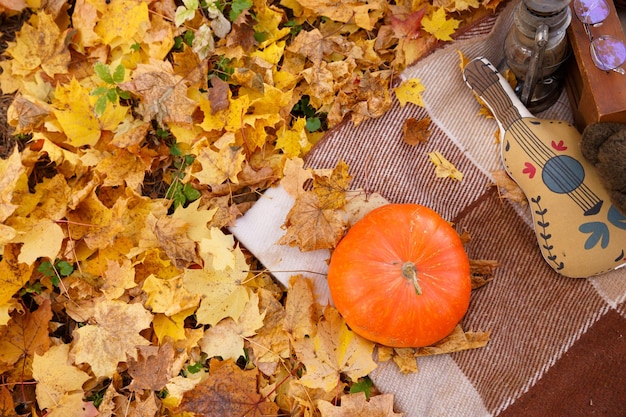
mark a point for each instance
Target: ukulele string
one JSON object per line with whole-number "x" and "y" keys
{"x": 486, "y": 83}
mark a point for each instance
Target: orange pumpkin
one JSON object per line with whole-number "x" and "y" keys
{"x": 400, "y": 276}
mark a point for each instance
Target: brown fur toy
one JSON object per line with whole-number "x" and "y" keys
{"x": 604, "y": 145}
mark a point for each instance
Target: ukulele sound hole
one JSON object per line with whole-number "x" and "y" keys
{"x": 563, "y": 174}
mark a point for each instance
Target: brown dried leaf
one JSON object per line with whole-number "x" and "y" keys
{"x": 271, "y": 343}
{"x": 163, "y": 94}
{"x": 300, "y": 309}
{"x": 508, "y": 188}
{"x": 172, "y": 236}
{"x": 21, "y": 338}
{"x": 416, "y": 131}
{"x": 7, "y": 406}
{"x": 227, "y": 391}
{"x": 310, "y": 226}
{"x": 405, "y": 359}
{"x": 218, "y": 95}
{"x": 458, "y": 340}
{"x": 481, "y": 271}
{"x": 407, "y": 25}
{"x": 152, "y": 369}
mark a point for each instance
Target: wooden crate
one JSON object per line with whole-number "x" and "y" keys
{"x": 596, "y": 95}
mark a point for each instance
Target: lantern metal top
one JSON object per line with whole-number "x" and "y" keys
{"x": 546, "y": 6}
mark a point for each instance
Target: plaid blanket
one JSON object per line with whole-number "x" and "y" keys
{"x": 558, "y": 345}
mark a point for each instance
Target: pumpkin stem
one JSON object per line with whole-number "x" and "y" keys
{"x": 409, "y": 271}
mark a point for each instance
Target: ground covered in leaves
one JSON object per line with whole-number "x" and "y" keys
{"x": 134, "y": 134}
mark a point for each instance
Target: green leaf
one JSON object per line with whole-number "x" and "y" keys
{"x": 364, "y": 385}
{"x": 188, "y": 37}
{"x": 55, "y": 280}
{"x": 191, "y": 194}
{"x": 101, "y": 105}
{"x": 65, "y": 268}
{"x": 36, "y": 288}
{"x": 112, "y": 95}
{"x": 98, "y": 91}
{"x": 123, "y": 94}
{"x": 260, "y": 36}
{"x": 189, "y": 160}
{"x": 118, "y": 74}
{"x": 237, "y": 7}
{"x": 104, "y": 72}
{"x": 136, "y": 46}
{"x": 195, "y": 368}
{"x": 178, "y": 43}
{"x": 313, "y": 124}
{"x": 174, "y": 149}
{"x": 46, "y": 268}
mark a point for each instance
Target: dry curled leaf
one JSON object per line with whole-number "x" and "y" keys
{"x": 458, "y": 340}
{"x": 508, "y": 188}
{"x": 416, "y": 131}
{"x": 481, "y": 271}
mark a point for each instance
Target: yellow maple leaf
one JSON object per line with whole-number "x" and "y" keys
{"x": 58, "y": 381}
{"x": 294, "y": 176}
{"x": 40, "y": 43}
{"x": 73, "y": 108}
{"x": 331, "y": 190}
{"x": 197, "y": 220}
{"x": 439, "y": 26}
{"x": 121, "y": 167}
{"x": 11, "y": 170}
{"x": 41, "y": 238}
{"x": 13, "y": 275}
{"x": 221, "y": 165}
{"x": 334, "y": 350}
{"x": 267, "y": 21}
{"x": 226, "y": 338}
{"x": 222, "y": 292}
{"x": 236, "y": 111}
{"x": 171, "y": 326}
{"x": 97, "y": 224}
{"x": 294, "y": 140}
{"x": 443, "y": 167}
{"x": 75, "y": 114}
{"x": 114, "y": 336}
{"x": 168, "y": 296}
{"x": 118, "y": 278}
{"x": 410, "y": 91}
{"x": 122, "y": 23}
{"x": 218, "y": 250}
{"x": 300, "y": 309}
{"x": 84, "y": 21}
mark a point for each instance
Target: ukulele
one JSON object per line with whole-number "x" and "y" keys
{"x": 579, "y": 232}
